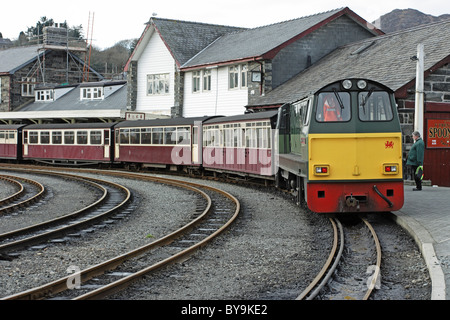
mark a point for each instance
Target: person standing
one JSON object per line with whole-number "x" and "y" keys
{"x": 415, "y": 158}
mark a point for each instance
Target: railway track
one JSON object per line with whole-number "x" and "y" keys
{"x": 219, "y": 210}
{"x": 29, "y": 191}
{"x": 344, "y": 286}
{"x": 114, "y": 198}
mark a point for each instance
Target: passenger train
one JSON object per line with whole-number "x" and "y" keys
{"x": 339, "y": 149}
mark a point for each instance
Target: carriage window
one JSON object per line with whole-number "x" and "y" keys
{"x": 12, "y": 135}
{"x": 2, "y": 134}
{"x": 170, "y": 135}
{"x": 158, "y": 135}
{"x": 184, "y": 135}
{"x": 333, "y": 107}
{"x": 69, "y": 137}
{"x": 96, "y": 137}
{"x": 229, "y": 139}
{"x": 56, "y": 137}
{"x": 82, "y": 137}
{"x": 374, "y": 106}
{"x": 146, "y": 136}
{"x": 45, "y": 137}
{"x": 34, "y": 137}
{"x": 135, "y": 136}
{"x": 124, "y": 136}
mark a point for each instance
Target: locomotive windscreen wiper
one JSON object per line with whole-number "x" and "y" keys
{"x": 338, "y": 99}
{"x": 364, "y": 100}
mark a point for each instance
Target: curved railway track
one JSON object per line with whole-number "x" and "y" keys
{"x": 114, "y": 197}
{"x": 325, "y": 275}
{"x": 220, "y": 210}
{"x": 24, "y": 196}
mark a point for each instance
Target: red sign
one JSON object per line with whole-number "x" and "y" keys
{"x": 438, "y": 133}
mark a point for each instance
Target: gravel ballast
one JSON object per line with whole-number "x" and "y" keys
{"x": 271, "y": 252}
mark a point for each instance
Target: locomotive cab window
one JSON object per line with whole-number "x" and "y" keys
{"x": 333, "y": 107}
{"x": 374, "y": 106}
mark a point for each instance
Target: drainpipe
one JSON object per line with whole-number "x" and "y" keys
{"x": 419, "y": 109}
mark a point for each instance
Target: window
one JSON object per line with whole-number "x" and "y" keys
{"x": 92, "y": 93}
{"x": 196, "y": 81}
{"x": 184, "y": 135}
{"x": 207, "y": 80}
{"x": 69, "y": 137}
{"x": 157, "y": 84}
{"x": 28, "y": 85}
{"x": 233, "y": 73}
{"x": 244, "y": 69}
{"x": 34, "y": 137}
{"x": 124, "y": 136}
{"x": 44, "y": 95}
{"x": 333, "y": 107}
{"x": 236, "y": 74}
{"x": 158, "y": 135}
{"x": 82, "y": 137}
{"x": 96, "y": 137}
{"x": 45, "y": 137}
{"x": 146, "y": 136}
{"x": 56, "y": 137}
{"x": 135, "y": 136}
{"x": 374, "y": 106}
{"x": 170, "y": 135}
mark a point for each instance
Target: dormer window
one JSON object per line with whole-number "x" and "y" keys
{"x": 44, "y": 95}
{"x": 92, "y": 93}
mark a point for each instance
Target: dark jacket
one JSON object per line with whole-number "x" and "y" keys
{"x": 416, "y": 154}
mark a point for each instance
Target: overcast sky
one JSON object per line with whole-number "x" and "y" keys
{"x": 120, "y": 20}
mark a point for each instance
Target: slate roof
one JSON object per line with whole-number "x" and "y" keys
{"x": 71, "y": 101}
{"x": 386, "y": 59}
{"x": 261, "y": 41}
{"x": 185, "y": 39}
{"x": 14, "y": 59}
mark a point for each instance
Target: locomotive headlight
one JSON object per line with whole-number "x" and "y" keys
{"x": 347, "y": 84}
{"x": 321, "y": 170}
{"x": 390, "y": 168}
{"x": 362, "y": 84}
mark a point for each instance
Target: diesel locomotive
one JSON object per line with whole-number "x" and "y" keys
{"x": 341, "y": 148}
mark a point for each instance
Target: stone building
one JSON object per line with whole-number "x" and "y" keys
{"x": 22, "y": 68}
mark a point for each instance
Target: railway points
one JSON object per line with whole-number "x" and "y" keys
{"x": 425, "y": 215}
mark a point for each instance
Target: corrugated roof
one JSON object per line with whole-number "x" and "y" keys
{"x": 386, "y": 59}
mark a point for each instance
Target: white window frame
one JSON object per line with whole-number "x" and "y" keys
{"x": 158, "y": 84}
{"x": 244, "y": 75}
{"x": 196, "y": 76}
{"x": 233, "y": 77}
{"x": 92, "y": 93}
{"x": 238, "y": 77}
{"x": 206, "y": 80}
{"x": 44, "y": 95}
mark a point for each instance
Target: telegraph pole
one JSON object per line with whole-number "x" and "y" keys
{"x": 418, "y": 116}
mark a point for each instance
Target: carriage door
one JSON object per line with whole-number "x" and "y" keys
{"x": 116, "y": 143}
{"x": 25, "y": 143}
{"x": 195, "y": 149}
{"x": 106, "y": 144}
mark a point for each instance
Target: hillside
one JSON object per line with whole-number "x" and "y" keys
{"x": 401, "y": 19}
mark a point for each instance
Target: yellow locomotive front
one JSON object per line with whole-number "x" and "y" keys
{"x": 354, "y": 149}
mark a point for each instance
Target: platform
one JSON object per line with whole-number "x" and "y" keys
{"x": 426, "y": 216}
